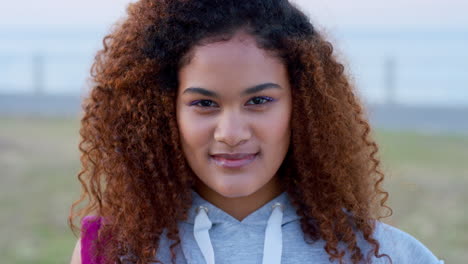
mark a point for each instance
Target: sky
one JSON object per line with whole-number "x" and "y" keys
{"x": 328, "y": 13}
{"x": 332, "y": 17}
{"x": 384, "y": 13}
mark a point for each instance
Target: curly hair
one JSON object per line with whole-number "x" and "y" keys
{"x": 134, "y": 174}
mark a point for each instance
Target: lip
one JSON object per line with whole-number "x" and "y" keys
{"x": 233, "y": 161}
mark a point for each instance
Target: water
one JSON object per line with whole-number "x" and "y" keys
{"x": 430, "y": 67}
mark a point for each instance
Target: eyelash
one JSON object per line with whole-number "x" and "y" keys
{"x": 267, "y": 98}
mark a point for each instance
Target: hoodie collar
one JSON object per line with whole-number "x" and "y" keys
{"x": 258, "y": 217}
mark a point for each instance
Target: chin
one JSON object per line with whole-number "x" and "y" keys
{"x": 235, "y": 193}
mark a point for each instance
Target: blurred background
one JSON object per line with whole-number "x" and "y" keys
{"x": 408, "y": 60}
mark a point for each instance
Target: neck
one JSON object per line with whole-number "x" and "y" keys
{"x": 241, "y": 207}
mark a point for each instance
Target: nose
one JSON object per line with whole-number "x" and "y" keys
{"x": 232, "y": 129}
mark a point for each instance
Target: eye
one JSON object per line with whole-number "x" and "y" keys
{"x": 202, "y": 103}
{"x": 259, "y": 99}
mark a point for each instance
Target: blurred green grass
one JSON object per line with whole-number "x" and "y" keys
{"x": 426, "y": 176}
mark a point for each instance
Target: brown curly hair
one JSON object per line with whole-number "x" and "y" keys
{"x": 134, "y": 174}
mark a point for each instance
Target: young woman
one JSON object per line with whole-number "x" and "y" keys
{"x": 226, "y": 131}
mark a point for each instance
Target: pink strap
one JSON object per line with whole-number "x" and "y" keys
{"x": 90, "y": 226}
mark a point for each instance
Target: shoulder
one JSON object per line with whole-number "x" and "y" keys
{"x": 89, "y": 232}
{"x": 401, "y": 246}
{"x": 76, "y": 256}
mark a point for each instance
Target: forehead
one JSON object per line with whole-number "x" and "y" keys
{"x": 235, "y": 64}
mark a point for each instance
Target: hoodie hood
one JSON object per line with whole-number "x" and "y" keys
{"x": 270, "y": 218}
{"x": 255, "y": 219}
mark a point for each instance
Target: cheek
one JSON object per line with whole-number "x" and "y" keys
{"x": 274, "y": 127}
{"x": 194, "y": 133}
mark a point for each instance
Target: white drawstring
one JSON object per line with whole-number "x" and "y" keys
{"x": 200, "y": 231}
{"x": 273, "y": 245}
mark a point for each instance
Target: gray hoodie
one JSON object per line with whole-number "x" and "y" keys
{"x": 272, "y": 235}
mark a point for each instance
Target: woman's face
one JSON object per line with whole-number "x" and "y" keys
{"x": 234, "y": 98}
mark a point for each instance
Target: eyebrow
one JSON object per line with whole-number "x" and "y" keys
{"x": 250, "y": 90}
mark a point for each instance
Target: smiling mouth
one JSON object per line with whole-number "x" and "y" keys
{"x": 230, "y": 163}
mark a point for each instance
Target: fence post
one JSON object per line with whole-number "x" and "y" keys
{"x": 389, "y": 80}
{"x": 38, "y": 74}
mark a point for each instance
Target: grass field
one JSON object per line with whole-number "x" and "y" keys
{"x": 39, "y": 160}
